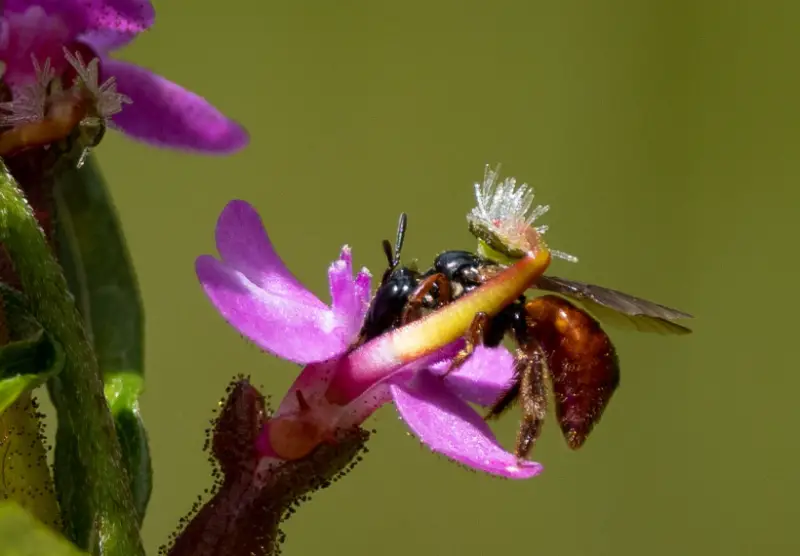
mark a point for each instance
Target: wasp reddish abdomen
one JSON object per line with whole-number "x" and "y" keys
{"x": 581, "y": 361}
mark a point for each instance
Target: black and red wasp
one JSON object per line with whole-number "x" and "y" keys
{"x": 558, "y": 343}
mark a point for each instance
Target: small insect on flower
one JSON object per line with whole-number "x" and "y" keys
{"x": 557, "y": 341}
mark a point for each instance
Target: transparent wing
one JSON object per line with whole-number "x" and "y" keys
{"x": 617, "y": 308}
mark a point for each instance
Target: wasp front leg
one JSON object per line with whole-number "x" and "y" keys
{"x": 475, "y": 337}
{"x": 413, "y": 311}
{"x": 416, "y": 301}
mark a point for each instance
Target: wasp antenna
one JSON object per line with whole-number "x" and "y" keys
{"x": 387, "y": 250}
{"x": 401, "y": 236}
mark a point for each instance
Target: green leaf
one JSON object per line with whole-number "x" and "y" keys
{"x": 92, "y": 484}
{"x": 93, "y": 253}
{"x": 22, "y": 535}
{"x": 31, "y": 356}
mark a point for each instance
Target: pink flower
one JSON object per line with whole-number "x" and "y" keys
{"x": 340, "y": 388}
{"x": 260, "y": 297}
{"x": 162, "y": 113}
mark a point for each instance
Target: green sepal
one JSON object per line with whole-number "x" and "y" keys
{"x": 22, "y": 535}
{"x": 31, "y": 356}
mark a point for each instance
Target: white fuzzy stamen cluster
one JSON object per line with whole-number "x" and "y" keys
{"x": 31, "y": 101}
{"x": 107, "y": 101}
{"x": 508, "y": 210}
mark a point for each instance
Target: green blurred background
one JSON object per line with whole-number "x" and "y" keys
{"x": 664, "y": 135}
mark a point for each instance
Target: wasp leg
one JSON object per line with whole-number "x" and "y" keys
{"x": 389, "y": 252}
{"x": 529, "y": 386}
{"x": 533, "y": 400}
{"x": 413, "y": 309}
{"x": 475, "y": 336}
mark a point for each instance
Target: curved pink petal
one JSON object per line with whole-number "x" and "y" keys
{"x": 255, "y": 292}
{"x": 281, "y": 324}
{"x": 364, "y": 289}
{"x": 103, "y": 41}
{"x": 483, "y": 378}
{"x": 125, "y": 17}
{"x": 342, "y": 286}
{"x": 244, "y": 245}
{"x": 449, "y": 426}
{"x": 165, "y": 114}
{"x": 347, "y": 296}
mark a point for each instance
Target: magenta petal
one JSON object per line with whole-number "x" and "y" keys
{"x": 347, "y": 303}
{"x": 104, "y": 41}
{"x": 483, "y": 378}
{"x": 255, "y": 292}
{"x": 281, "y": 324}
{"x": 168, "y": 115}
{"x": 363, "y": 294}
{"x": 449, "y": 426}
{"x": 126, "y": 17}
{"x": 363, "y": 287}
{"x": 342, "y": 287}
{"x": 244, "y": 245}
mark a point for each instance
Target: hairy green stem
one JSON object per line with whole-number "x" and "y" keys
{"x": 91, "y": 248}
{"x": 91, "y": 481}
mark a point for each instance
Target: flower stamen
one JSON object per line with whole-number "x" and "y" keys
{"x": 30, "y": 100}
{"x": 106, "y": 99}
{"x": 503, "y": 220}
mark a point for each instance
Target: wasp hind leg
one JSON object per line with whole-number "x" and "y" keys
{"x": 533, "y": 401}
{"x": 529, "y": 386}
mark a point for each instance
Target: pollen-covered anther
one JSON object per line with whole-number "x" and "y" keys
{"x": 106, "y": 99}
{"x": 504, "y": 218}
{"x": 30, "y": 101}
